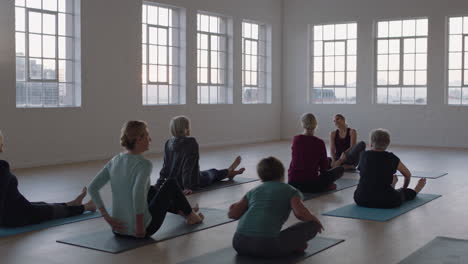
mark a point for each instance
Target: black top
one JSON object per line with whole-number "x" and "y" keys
{"x": 376, "y": 169}
{"x": 13, "y": 205}
{"x": 181, "y": 157}
{"x": 342, "y": 144}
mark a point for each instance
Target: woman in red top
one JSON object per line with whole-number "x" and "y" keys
{"x": 309, "y": 170}
{"x": 344, "y": 140}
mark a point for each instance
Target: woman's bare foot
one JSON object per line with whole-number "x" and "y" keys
{"x": 395, "y": 180}
{"x": 301, "y": 249}
{"x": 195, "y": 218}
{"x": 90, "y": 206}
{"x": 195, "y": 209}
{"x": 232, "y": 172}
{"x": 420, "y": 185}
{"x": 79, "y": 199}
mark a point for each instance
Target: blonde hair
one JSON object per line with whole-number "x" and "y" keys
{"x": 309, "y": 121}
{"x": 380, "y": 138}
{"x": 178, "y": 125}
{"x": 131, "y": 131}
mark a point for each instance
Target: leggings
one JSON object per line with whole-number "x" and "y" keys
{"x": 324, "y": 181}
{"x": 291, "y": 239}
{"x": 162, "y": 198}
{"x": 392, "y": 199}
{"x": 209, "y": 177}
{"x": 353, "y": 155}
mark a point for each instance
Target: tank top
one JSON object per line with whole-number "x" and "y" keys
{"x": 342, "y": 144}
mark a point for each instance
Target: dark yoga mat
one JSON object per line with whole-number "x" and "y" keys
{"x": 377, "y": 214}
{"x": 229, "y": 255}
{"x": 440, "y": 250}
{"x": 425, "y": 174}
{"x": 340, "y": 185}
{"x": 226, "y": 183}
{"x": 6, "y": 231}
{"x": 173, "y": 226}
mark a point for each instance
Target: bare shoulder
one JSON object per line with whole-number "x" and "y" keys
{"x": 353, "y": 131}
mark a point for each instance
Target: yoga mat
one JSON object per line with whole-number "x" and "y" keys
{"x": 440, "y": 250}
{"x": 173, "y": 226}
{"x": 425, "y": 174}
{"x": 229, "y": 255}
{"x": 226, "y": 183}
{"x": 340, "y": 185}
{"x": 10, "y": 231}
{"x": 376, "y": 214}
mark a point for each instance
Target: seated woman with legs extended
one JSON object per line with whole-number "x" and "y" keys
{"x": 309, "y": 170}
{"x": 138, "y": 209}
{"x": 377, "y": 168}
{"x": 181, "y": 157}
{"x": 16, "y": 210}
{"x": 344, "y": 148}
{"x": 264, "y": 210}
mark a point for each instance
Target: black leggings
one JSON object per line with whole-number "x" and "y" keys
{"x": 353, "y": 155}
{"x": 391, "y": 199}
{"x": 211, "y": 176}
{"x": 325, "y": 180}
{"x": 165, "y": 197}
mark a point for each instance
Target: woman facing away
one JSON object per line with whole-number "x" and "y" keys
{"x": 309, "y": 170}
{"x": 16, "y": 210}
{"x": 181, "y": 160}
{"x": 264, "y": 210}
{"x": 344, "y": 140}
{"x": 138, "y": 209}
{"x": 377, "y": 169}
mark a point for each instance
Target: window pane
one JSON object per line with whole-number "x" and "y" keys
{"x": 49, "y": 47}
{"x": 35, "y": 22}
{"x": 394, "y": 95}
{"x": 421, "y": 45}
{"x": 340, "y": 31}
{"x": 49, "y": 70}
{"x": 381, "y": 95}
{"x": 465, "y": 96}
{"x": 351, "y": 63}
{"x": 162, "y": 55}
{"x": 351, "y": 79}
{"x": 254, "y": 31}
{"x": 456, "y": 25}
{"x": 407, "y": 95}
{"x": 382, "y": 46}
{"x": 329, "y": 63}
{"x": 35, "y": 45}
{"x": 318, "y": 64}
{"x": 340, "y": 78}
{"x": 421, "y": 27}
{"x": 35, "y": 69}
{"x": 20, "y": 44}
{"x": 162, "y": 73}
{"x": 49, "y": 5}
{"x": 454, "y": 95}
{"x": 395, "y": 28}
{"x": 19, "y": 19}
{"x": 420, "y": 78}
{"x": 329, "y": 78}
{"x": 408, "y": 77}
{"x": 382, "y": 62}
{"x": 351, "y": 95}
{"x": 351, "y": 47}
{"x": 163, "y": 16}
{"x": 409, "y": 62}
{"x": 48, "y": 26}
{"x": 329, "y": 48}
{"x": 394, "y": 46}
{"x": 65, "y": 48}
{"x": 382, "y": 78}
{"x": 339, "y": 63}
{"x": 318, "y": 79}
{"x": 455, "y": 43}
{"x": 394, "y": 62}
{"x": 214, "y": 24}
{"x": 409, "y": 28}
{"x": 318, "y": 31}
{"x": 382, "y": 29}
{"x": 421, "y": 61}
{"x": 162, "y": 36}
{"x": 33, "y": 4}
{"x": 410, "y": 45}
{"x": 454, "y": 78}
{"x": 318, "y": 48}
{"x": 352, "y": 31}
{"x": 339, "y": 48}
{"x": 328, "y": 32}
{"x": 420, "y": 95}
{"x": 20, "y": 69}
{"x": 393, "y": 77}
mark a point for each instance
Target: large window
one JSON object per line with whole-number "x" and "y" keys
{"x": 333, "y": 51}
{"x": 212, "y": 60}
{"x": 256, "y": 83}
{"x": 163, "y": 71}
{"x": 47, "y": 68}
{"x": 401, "y": 76}
{"x": 458, "y": 61}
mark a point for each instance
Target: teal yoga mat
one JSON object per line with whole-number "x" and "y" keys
{"x": 440, "y": 250}
{"x": 341, "y": 184}
{"x": 229, "y": 255}
{"x": 376, "y": 214}
{"x": 173, "y": 226}
{"x": 425, "y": 174}
{"x": 4, "y": 232}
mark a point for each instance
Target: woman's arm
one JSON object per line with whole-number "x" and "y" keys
{"x": 353, "y": 133}
{"x": 332, "y": 146}
{"x": 406, "y": 173}
{"x": 191, "y": 168}
{"x": 302, "y": 213}
{"x": 238, "y": 209}
{"x": 143, "y": 172}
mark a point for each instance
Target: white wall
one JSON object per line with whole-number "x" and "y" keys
{"x": 111, "y": 89}
{"x": 435, "y": 124}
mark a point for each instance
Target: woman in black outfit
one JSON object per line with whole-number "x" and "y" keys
{"x": 16, "y": 210}
{"x": 377, "y": 169}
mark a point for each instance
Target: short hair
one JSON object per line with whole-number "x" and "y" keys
{"x": 270, "y": 169}
{"x": 131, "y": 131}
{"x": 380, "y": 138}
{"x": 340, "y": 116}
{"x": 309, "y": 121}
{"x": 178, "y": 125}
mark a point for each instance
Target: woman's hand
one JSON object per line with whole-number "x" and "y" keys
{"x": 187, "y": 192}
{"x": 115, "y": 224}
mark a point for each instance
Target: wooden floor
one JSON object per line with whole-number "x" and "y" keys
{"x": 366, "y": 241}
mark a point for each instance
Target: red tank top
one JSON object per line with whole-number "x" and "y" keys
{"x": 342, "y": 144}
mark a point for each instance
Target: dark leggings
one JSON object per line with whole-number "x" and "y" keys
{"x": 39, "y": 212}
{"x": 165, "y": 197}
{"x": 353, "y": 154}
{"x": 291, "y": 239}
{"x": 209, "y": 177}
{"x": 393, "y": 199}
{"x": 324, "y": 181}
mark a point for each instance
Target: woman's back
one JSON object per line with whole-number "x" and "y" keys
{"x": 309, "y": 156}
{"x": 269, "y": 206}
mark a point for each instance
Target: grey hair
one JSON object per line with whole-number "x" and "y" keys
{"x": 380, "y": 138}
{"x": 178, "y": 125}
{"x": 309, "y": 121}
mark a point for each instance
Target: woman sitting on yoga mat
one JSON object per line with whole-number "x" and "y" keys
{"x": 377, "y": 168}
{"x": 343, "y": 140}
{"x": 16, "y": 210}
{"x": 181, "y": 158}
{"x": 309, "y": 170}
{"x": 138, "y": 209}
{"x": 264, "y": 210}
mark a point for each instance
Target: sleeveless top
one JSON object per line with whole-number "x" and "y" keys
{"x": 342, "y": 144}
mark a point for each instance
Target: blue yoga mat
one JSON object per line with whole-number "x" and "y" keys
{"x": 341, "y": 184}
{"x": 4, "y": 232}
{"x": 376, "y": 214}
{"x": 445, "y": 250}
